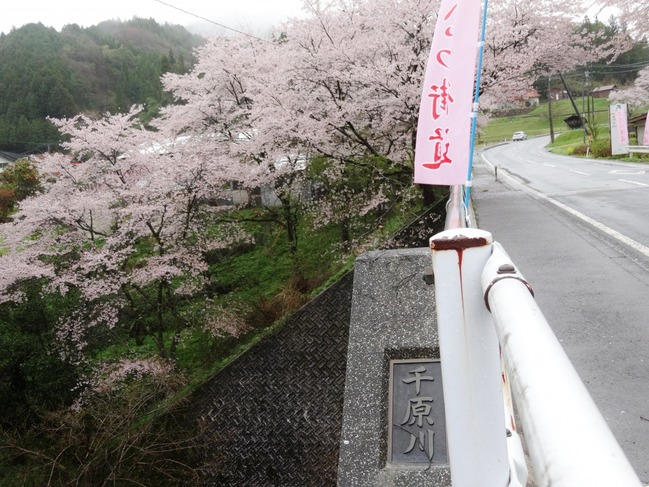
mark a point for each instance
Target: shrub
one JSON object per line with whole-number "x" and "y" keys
{"x": 114, "y": 439}
{"x": 7, "y": 202}
{"x": 266, "y": 311}
{"x": 22, "y": 178}
{"x": 580, "y": 150}
{"x": 601, "y": 148}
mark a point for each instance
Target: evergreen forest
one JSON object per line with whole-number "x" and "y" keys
{"x": 104, "y": 68}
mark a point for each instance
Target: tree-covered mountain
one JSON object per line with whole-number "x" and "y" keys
{"x": 104, "y": 68}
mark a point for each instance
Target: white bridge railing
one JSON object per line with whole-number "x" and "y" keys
{"x": 493, "y": 338}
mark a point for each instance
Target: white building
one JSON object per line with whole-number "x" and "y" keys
{"x": 4, "y": 162}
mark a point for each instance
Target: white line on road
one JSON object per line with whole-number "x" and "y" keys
{"x": 633, "y": 182}
{"x": 626, "y": 171}
{"x": 579, "y": 172}
{"x": 600, "y": 226}
{"x": 549, "y": 165}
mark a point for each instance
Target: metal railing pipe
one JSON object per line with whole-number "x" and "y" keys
{"x": 455, "y": 209}
{"x": 569, "y": 441}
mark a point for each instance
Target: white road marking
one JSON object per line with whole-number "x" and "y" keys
{"x": 633, "y": 182}
{"x": 549, "y": 165}
{"x": 600, "y": 226}
{"x": 626, "y": 171}
{"x": 579, "y": 172}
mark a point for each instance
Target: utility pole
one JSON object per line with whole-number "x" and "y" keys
{"x": 591, "y": 113}
{"x": 572, "y": 100}
{"x": 583, "y": 106}
{"x": 550, "y": 108}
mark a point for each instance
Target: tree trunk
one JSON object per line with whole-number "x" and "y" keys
{"x": 345, "y": 235}
{"x": 290, "y": 221}
{"x": 428, "y": 194}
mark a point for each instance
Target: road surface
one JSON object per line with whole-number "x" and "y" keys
{"x": 579, "y": 232}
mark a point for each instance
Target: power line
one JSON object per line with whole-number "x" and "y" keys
{"x": 211, "y": 21}
{"x": 616, "y": 68}
{"x": 580, "y": 74}
{"x": 617, "y": 71}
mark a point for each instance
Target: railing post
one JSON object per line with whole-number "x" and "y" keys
{"x": 475, "y": 418}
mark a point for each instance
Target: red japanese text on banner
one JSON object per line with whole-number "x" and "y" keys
{"x": 444, "y": 128}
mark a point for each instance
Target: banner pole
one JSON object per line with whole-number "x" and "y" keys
{"x": 474, "y": 113}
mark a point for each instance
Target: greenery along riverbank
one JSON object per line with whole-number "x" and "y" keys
{"x": 253, "y": 285}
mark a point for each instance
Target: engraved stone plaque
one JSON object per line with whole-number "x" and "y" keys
{"x": 417, "y": 427}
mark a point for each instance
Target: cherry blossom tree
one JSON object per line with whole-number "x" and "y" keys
{"x": 635, "y": 15}
{"x": 226, "y": 109}
{"x": 532, "y": 39}
{"x": 359, "y": 66}
{"x": 344, "y": 83}
{"x": 354, "y": 89}
{"x": 124, "y": 228}
{"x": 636, "y": 95}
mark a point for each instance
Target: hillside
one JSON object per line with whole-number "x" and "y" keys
{"x": 536, "y": 121}
{"x": 107, "y": 67}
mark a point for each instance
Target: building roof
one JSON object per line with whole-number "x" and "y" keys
{"x": 639, "y": 119}
{"x": 604, "y": 88}
{"x": 9, "y": 156}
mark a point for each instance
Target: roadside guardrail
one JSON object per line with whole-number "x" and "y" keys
{"x": 638, "y": 149}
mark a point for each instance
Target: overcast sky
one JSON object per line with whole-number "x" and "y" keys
{"x": 234, "y": 13}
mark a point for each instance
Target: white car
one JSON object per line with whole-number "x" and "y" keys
{"x": 519, "y": 136}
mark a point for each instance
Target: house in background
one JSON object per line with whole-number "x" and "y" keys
{"x": 532, "y": 98}
{"x": 603, "y": 91}
{"x": 558, "y": 94}
{"x": 6, "y": 158}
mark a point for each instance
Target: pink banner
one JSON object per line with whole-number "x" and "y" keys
{"x": 444, "y": 128}
{"x": 622, "y": 126}
{"x": 619, "y": 129}
{"x": 645, "y": 138}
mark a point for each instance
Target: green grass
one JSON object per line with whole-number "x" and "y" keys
{"x": 266, "y": 283}
{"x": 268, "y": 269}
{"x": 567, "y": 142}
{"x": 537, "y": 121}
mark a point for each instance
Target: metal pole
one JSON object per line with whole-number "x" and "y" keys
{"x": 456, "y": 216}
{"x": 476, "y": 99}
{"x": 475, "y": 411}
{"x": 572, "y": 100}
{"x": 569, "y": 442}
{"x": 583, "y": 107}
{"x": 550, "y": 108}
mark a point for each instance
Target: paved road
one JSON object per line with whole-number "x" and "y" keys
{"x": 591, "y": 283}
{"x": 615, "y": 194}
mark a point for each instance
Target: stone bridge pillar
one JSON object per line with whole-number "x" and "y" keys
{"x": 393, "y": 432}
